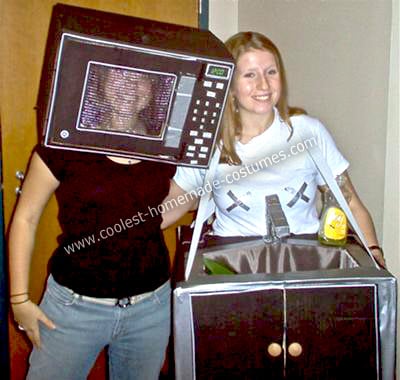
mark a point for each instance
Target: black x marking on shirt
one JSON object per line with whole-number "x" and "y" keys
{"x": 299, "y": 195}
{"x": 236, "y": 202}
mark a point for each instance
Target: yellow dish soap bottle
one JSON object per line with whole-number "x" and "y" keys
{"x": 333, "y": 224}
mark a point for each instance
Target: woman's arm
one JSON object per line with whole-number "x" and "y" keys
{"x": 37, "y": 189}
{"x": 364, "y": 220}
{"x": 177, "y": 203}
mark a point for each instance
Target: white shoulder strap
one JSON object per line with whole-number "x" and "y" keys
{"x": 205, "y": 210}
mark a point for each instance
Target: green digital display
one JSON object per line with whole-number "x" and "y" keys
{"x": 218, "y": 71}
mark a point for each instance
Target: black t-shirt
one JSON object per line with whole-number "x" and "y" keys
{"x": 111, "y": 244}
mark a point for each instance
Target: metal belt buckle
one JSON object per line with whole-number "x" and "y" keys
{"x": 123, "y": 302}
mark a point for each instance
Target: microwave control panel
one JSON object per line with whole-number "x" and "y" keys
{"x": 200, "y": 112}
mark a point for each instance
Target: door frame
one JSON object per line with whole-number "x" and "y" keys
{"x": 203, "y": 14}
{"x": 4, "y": 355}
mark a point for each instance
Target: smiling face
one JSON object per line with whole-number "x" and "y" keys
{"x": 257, "y": 85}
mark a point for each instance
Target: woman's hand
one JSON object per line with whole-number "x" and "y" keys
{"x": 28, "y": 315}
{"x": 378, "y": 255}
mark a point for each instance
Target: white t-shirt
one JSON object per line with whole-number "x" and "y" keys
{"x": 270, "y": 165}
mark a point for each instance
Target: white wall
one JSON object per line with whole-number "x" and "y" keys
{"x": 223, "y": 18}
{"x": 391, "y": 236}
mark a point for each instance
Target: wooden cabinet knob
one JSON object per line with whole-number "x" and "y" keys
{"x": 295, "y": 349}
{"x": 274, "y": 349}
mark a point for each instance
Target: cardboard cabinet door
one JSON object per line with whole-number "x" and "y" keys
{"x": 233, "y": 333}
{"x": 335, "y": 328}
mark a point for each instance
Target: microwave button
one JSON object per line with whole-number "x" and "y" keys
{"x": 220, "y": 85}
{"x": 207, "y": 135}
{"x": 193, "y": 133}
{"x": 189, "y": 154}
{"x": 207, "y": 83}
{"x": 198, "y": 141}
{"x": 217, "y": 105}
{"x": 192, "y": 148}
{"x": 204, "y": 149}
{"x": 194, "y": 162}
{"x": 198, "y": 101}
{"x": 211, "y": 94}
{"x": 202, "y": 155}
{"x": 64, "y": 134}
{"x": 207, "y": 103}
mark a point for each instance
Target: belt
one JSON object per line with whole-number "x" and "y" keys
{"x": 121, "y": 302}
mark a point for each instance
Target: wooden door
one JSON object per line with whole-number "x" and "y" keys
{"x": 23, "y": 27}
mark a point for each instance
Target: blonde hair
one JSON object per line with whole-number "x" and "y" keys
{"x": 231, "y": 127}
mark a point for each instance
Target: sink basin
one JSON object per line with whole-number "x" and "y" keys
{"x": 291, "y": 255}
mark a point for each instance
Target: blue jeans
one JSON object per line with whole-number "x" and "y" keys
{"x": 136, "y": 336}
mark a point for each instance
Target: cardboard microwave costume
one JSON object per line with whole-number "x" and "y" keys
{"x": 132, "y": 87}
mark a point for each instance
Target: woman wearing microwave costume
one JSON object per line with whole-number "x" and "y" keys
{"x": 109, "y": 276}
{"x": 294, "y": 309}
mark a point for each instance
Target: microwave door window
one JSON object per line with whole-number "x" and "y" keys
{"x": 126, "y": 101}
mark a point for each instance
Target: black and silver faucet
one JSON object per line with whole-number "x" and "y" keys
{"x": 277, "y": 224}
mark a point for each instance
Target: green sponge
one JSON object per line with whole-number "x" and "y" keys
{"x": 214, "y": 267}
